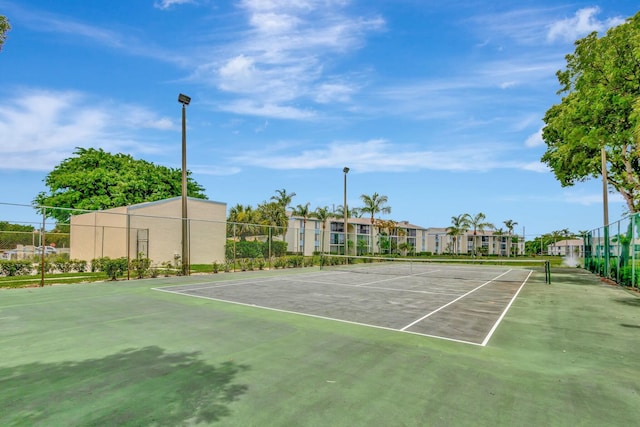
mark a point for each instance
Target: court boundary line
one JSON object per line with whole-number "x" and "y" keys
{"x": 316, "y": 316}
{"x": 504, "y": 312}
{"x": 231, "y": 282}
{"x": 454, "y": 301}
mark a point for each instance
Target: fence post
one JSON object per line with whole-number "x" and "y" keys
{"x": 44, "y": 242}
{"x": 128, "y": 238}
{"x": 633, "y": 249}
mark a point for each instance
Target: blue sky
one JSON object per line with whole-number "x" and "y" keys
{"x": 437, "y": 105}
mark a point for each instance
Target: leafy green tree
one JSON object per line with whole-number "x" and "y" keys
{"x": 600, "y": 109}
{"x": 242, "y": 221}
{"x": 274, "y": 215}
{"x": 15, "y": 234}
{"x": 95, "y": 179}
{"x": 374, "y": 205}
{"x": 7, "y": 226}
{"x": 4, "y": 29}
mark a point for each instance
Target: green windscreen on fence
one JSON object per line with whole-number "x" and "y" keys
{"x": 613, "y": 251}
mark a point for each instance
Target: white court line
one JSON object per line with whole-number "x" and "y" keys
{"x": 315, "y": 316}
{"x": 373, "y": 287}
{"x": 220, "y": 284}
{"x": 495, "y": 326}
{"x": 395, "y": 278}
{"x": 455, "y": 300}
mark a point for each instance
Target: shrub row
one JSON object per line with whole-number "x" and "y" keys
{"x": 114, "y": 268}
{"x": 62, "y": 264}
{"x": 254, "y": 249}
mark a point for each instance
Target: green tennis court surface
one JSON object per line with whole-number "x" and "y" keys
{"x": 124, "y": 354}
{"x": 458, "y": 303}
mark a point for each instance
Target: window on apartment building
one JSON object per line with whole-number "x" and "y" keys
{"x": 337, "y": 226}
{"x": 363, "y": 229}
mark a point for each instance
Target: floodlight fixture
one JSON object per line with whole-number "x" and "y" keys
{"x": 184, "y": 99}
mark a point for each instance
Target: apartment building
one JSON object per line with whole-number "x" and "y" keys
{"x": 567, "y": 248}
{"x": 310, "y": 236}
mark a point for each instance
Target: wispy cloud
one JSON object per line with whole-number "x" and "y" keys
{"x": 532, "y": 26}
{"x": 535, "y": 140}
{"x": 166, "y": 4}
{"x": 41, "y": 21}
{"x": 46, "y": 126}
{"x": 284, "y": 56}
{"x": 582, "y": 23}
{"x": 379, "y": 155}
{"x": 79, "y": 31}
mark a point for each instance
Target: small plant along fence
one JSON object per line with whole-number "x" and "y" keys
{"x": 614, "y": 251}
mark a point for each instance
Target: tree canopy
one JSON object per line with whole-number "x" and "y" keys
{"x": 600, "y": 109}
{"x": 4, "y": 29}
{"x": 95, "y": 179}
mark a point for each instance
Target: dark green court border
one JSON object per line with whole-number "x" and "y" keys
{"x": 108, "y": 354}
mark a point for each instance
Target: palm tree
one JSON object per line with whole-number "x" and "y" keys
{"x": 353, "y": 212}
{"x": 510, "y": 224}
{"x": 242, "y": 221}
{"x": 322, "y": 215}
{"x": 273, "y": 215}
{"x": 303, "y": 211}
{"x": 374, "y": 205}
{"x": 478, "y": 224}
{"x": 283, "y": 198}
{"x": 459, "y": 225}
{"x": 498, "y": 233}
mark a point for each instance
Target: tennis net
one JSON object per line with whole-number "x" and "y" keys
{"x": 459, "y": 269}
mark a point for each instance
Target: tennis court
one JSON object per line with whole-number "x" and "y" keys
{"x": 463, "y": 303}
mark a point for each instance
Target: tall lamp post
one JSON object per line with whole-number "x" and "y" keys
{"x": 184, "y": 100}
{"x": 346, "y": 212}
{"x": 605, "y": 205}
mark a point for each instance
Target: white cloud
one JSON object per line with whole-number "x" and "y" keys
{"x": 286, "y": 54}
{"x": 588, "y": 199}
{"x": 379, "y": 155}
{"x": 252, "y": 108}
{"x": 582, "y": 23}
{"x": 43, "y": 127}
{"x": 334, "y": 92}
{"x": 535, "y": 140}
{"x": 524, "y": 26}
{"x": 535, "y": 167}
{"x": 274, "y": 23}
{"x": 238, "y": 73}
{"x": 166, "y": 4}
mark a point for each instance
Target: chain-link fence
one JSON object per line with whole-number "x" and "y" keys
{"x": 149, "y": 236}
{"x": 152, "y": 238}
{"x": 614, "y": 251}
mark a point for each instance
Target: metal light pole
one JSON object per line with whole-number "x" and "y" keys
{"x": 605, "y": 206}
{"x": 184, "y": 100}
{"x": 346, "y": 212}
